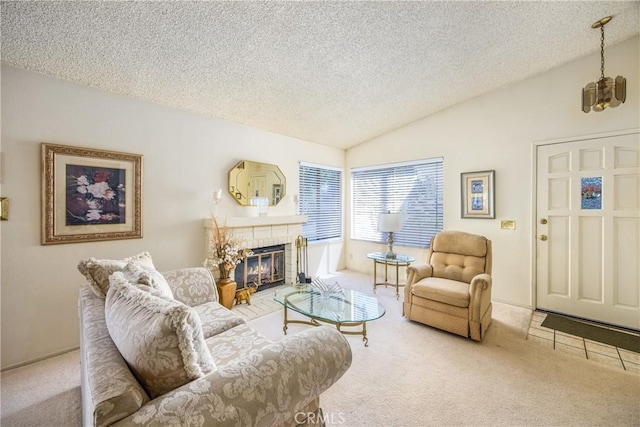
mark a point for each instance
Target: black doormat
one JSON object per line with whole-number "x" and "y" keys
{"x": 624, "y": 340}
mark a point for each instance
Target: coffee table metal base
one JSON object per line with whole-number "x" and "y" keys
{"x": 339, "y": 325}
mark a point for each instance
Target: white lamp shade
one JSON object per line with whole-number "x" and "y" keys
{"x": 389, "y": 222}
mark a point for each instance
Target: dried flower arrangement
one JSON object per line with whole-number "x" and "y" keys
{"x": 224, "y": 251}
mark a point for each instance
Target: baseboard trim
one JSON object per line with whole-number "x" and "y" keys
{"x": 38, "y": 359}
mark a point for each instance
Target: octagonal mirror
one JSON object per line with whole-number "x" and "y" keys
{"x": 253, "y": 179}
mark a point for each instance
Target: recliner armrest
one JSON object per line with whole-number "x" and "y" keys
{"x": 414, "y": 275}
{"x": 418, "y": 272}
{"x": 480, "y": 295}
{"x": 265, "y": 388}
{"x": 480, "y": 283}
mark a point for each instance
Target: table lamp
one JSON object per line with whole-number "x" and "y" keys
{"x": 389, "y": 223}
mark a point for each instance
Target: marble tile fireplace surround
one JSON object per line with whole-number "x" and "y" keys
{"x": 260, "y": 232}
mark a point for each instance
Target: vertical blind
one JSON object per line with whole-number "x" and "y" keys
{"x": 320, "y": 198}
{"x": 413, "y": 189}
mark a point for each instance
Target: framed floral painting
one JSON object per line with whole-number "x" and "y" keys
{"x": 90, "y": 195}
{"x": 477, "y": 194}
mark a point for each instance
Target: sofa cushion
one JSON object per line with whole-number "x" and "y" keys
{"x": 446, "y": 291}
{"x": 97, "y": 271}
{"x": 457, "y": 255}
{"x": 460, "y": 242}
{"x": 236, "y": 343}
{"x": 456, "y": 267}
{"x": 160, "y": 339}
{"x": 140, "y": 274}
{"x": 216, "y": 319}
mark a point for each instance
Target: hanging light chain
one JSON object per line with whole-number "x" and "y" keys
{"x": 602, "y": 52}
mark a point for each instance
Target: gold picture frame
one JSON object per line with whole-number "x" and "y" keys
{"x": 477, "y": 194}
{"x": 90, "y": 195}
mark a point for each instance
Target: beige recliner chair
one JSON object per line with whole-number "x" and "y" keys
{"x": 453, "y": 290}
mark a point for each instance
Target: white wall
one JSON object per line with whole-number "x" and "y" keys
{"x": 496, "y": 131}
{"x": 186, "y": 157}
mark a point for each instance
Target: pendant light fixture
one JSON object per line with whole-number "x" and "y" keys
{"x": 606, "y": 92}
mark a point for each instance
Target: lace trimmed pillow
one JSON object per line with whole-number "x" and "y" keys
{"x": 97, "y": 271}
{"x": 140, "y": 274}
{"x": 160, "y": 339}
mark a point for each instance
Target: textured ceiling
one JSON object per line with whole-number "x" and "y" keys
{"x": 335, "y": 73}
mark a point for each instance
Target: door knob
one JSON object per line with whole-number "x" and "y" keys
{"x": 543, "y": 221}
{"x": 543, "y": 237}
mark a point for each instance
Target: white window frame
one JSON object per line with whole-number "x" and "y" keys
{"x": 414, "y": 189}
{"x": 321, "y": 207}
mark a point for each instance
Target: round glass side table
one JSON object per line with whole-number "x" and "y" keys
{"x": 398, "y": 261}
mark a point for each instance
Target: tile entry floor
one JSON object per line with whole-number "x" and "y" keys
{"x": 601, "y": 353}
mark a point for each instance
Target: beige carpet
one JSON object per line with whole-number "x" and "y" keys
{"x": 410, "y": 375}
{"x": 45, "y": 393}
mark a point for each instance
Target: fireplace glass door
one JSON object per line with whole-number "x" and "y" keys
{"x": 265, "y": 268}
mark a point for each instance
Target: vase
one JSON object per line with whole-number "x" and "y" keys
{"x": 226, "y": 291}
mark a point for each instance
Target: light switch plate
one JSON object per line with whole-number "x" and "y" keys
{"x": 508, "y": 224}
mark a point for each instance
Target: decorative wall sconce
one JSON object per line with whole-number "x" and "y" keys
{"x": 217, "y": 196}
{"x": 389, "y": 223}
{"x": 606, "y": 92}
{"x": 296, "y": 202}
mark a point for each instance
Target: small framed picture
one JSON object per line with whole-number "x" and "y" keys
{"x": 90, "y": 195}
{"x": 477, "y": 194}
{"x": 277, "y": 194}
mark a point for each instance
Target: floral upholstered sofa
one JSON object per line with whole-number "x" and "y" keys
{"x": 159, "y": 350}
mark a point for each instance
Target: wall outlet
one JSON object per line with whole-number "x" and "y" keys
{"x": 508, "y": 224}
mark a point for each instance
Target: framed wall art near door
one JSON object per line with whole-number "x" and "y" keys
{"x": 90, "y": 195}
{"x": 477, "y": 194}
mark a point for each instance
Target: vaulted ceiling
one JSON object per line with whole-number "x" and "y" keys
{"x": 334, "y": 73}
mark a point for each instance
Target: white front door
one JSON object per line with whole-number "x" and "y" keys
{"x": 258, "y": 186}
{"x": 588, "y": 229}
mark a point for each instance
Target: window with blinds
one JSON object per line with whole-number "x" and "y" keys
{"x": 413, "y": 189}
{"x": 320, "y": 198}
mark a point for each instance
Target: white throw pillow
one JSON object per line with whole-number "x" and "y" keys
{"x": 140, "y": 274}
{"x": 160, "y": 339}
{"x": 97, "y": 271}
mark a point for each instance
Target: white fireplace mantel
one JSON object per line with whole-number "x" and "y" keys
{"x": 258, "y": 221}
{"x": 262, "y": 231}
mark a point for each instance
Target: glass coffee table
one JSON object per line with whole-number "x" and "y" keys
{"x": 346, "y": 309}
